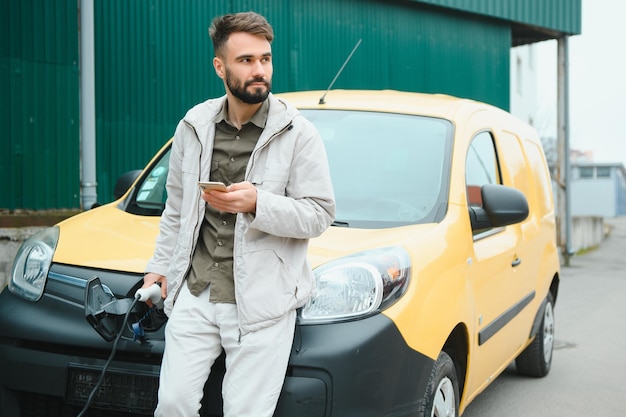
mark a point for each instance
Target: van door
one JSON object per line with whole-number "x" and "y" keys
{"x": 497, "y": 279}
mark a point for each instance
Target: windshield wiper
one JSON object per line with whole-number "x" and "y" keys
{"x": 340, "y": 224}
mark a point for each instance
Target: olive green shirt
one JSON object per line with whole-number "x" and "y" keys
{"x": 212, "y": 261}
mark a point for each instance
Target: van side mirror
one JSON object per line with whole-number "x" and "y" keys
{"x": 501, "y": 206}
{"x": 124, "y": 182}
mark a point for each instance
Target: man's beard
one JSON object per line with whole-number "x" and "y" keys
{"x": 240, "y": 91}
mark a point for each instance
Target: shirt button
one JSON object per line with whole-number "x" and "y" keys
{"x": 215, "y": 264}
{"x": 224, "y": 222}
{"x": 237, "y": 137}
{"x": 232, "y": 159}
{"x": 220, "y": 243}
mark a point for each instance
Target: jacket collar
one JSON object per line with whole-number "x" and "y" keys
{"x": 259, "y": 118}
{"x": 203, "y": 116}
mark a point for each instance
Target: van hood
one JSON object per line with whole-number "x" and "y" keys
{"x": 107, "y": 238}
{"x": 110, "y": 239}
{"x": 338, "y": 242}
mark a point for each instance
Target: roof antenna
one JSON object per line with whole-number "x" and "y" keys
{"x": 339, "y": 72}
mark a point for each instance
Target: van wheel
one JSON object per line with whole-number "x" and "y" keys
{"x": 442, "y": 392}
{"x": 536, "y": 359}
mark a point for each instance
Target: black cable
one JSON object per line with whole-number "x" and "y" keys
{"x": 108, "y": 362}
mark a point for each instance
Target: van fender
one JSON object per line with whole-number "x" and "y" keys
{"x": 537, "y": 322}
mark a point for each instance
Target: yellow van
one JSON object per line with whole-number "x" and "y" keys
{"x": 440, "y": 270}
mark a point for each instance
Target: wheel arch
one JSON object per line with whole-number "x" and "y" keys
{"x": 457, "y": 347}
{"x": 554, "y": 289}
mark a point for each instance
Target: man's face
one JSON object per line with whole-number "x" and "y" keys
{"x": 246, "y": 67}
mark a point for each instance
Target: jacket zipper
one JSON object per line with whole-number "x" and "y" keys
{"x": 267, "y": 142}
{"x": 198, "y": 222}
{"x": 250, "y": 166}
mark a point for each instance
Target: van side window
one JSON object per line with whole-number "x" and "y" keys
{"x": 481, "y": 167}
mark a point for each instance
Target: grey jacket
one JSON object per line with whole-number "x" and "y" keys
{"x": 295, "y": 202}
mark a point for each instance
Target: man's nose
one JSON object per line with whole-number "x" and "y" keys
{"x": 258, "y": 69}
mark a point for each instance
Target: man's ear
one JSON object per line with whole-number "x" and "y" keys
{"x": 219, "y": 67}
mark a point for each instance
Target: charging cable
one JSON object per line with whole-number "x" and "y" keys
{"x": 152, "y": 293}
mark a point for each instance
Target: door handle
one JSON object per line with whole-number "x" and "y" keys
{"x": 516, "y": 262}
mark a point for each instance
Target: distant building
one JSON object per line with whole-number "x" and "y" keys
{"x": 598, "y": 189}
{"x": 578, "y": 156}
{"x": 523, "y": 86}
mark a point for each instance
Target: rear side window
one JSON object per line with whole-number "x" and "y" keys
{"x": 543, "y": 185}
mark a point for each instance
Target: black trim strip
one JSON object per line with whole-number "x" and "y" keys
{"x": 495, "y": 326}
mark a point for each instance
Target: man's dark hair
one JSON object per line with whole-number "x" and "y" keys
{"x": 249, "y": 22}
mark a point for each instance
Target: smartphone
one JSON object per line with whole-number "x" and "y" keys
{"x": 207, "y": 186}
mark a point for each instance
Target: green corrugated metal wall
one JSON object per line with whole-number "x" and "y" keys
{"x": 39, "y": 160}
{"x": 557, "y": 15}
{"x": 153, "y": 62}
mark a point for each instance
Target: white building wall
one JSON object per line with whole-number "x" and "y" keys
{"x": 593, "y": 197}
{"x": 523, "y": 88}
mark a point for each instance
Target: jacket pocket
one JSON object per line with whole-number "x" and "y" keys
{"x": 272, "y": 179}
{"x": 266, "y": 287}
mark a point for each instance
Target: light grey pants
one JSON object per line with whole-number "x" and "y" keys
{"x": 195, "y": 334}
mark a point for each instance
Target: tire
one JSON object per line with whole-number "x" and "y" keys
{"x": 536, "y": 359}
{"x": 441, "y": 398}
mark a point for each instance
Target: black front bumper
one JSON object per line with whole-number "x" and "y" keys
{"x": 361, "y": 368}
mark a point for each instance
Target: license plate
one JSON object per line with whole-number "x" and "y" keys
{"x": 120, "y": 390}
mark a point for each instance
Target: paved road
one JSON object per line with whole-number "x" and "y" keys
{"x": 589, "y": 363}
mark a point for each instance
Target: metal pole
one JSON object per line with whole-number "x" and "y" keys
{"x": 564, "y": 148}
{"x": 88, "y": 183}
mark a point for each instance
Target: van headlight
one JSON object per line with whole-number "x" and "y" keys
{"x": 32, "y": 263}
{"x": 357, "y": 285}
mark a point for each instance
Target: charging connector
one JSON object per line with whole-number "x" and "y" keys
{"x": 109, "y": 360}
{"x": 102, "y": 311}
{"x": 152, "y": 293}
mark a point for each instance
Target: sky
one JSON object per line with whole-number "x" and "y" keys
{"x": 597, "y": 83}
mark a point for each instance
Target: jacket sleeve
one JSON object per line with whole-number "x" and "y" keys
{"x": 169, "y": 225}
{"x": 308, "y": 206}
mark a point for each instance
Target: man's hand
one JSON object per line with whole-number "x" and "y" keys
{"x": 240, "y": 198}
{"x": 150, "y": 279}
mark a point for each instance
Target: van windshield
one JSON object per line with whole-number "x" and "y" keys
{"x": 387, "y": 169}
